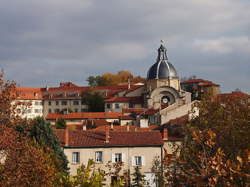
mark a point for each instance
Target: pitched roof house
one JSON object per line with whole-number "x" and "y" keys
{"x": 131, "y": 148}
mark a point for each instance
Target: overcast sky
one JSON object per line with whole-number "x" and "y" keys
{"x": 44, "y": 42}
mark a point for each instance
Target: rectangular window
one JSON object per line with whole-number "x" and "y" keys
{"x": 57, "y": 102}
{"x": 138, "y": 160}
{"x": 131, "y": 105}
{"x": 64, "y": 102}
{"x": 76, "y": 110}
{"x": 49, "y": 103}
{"x": 84, "y": 110}
{"x": 28, "y": 111}
{"x": 38, "y": 110}
{"x": 118, "y": 157}
{"x": 98, "y": 156}
{"x": 76, "y": 157}
{"x": 50, "y": 110}
{"x": 75, "y": 102}
{"x": 57, "y": 110}
{"x": 108, "y": 105}
{"x": 117, "y": 105}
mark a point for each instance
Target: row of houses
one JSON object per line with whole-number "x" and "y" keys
{"x": 139, "y": 123}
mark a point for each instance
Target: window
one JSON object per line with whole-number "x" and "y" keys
{"x": 117, "y": 105}
{"x": 76, "y": 110}
{"x": 57, "y": 110}
{"x": 76, "y": 157}
{"x": 98, "y": 156}
{"x": 131, "y": 105}
{"x": 108, "y": 105}
{"x": 75, "y": 102}
{"x": 57, "y": 102}
{"x": 64, "y": 102}
{"x": 84, "y": 110}
{"x": 38, "y": 111}
{"x": 49, "y": 110}
{"x": 138, "y": 160}
{"x": 28, "y": 111}
{"x": 118, "y": 157}
{"x": 49, "y": 103}
{"x": 37, "y": 103}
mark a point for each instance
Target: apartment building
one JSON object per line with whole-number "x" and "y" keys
{"x": 30, "y": 102}
{"x": 131, "y": 148}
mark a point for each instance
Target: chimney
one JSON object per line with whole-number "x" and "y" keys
{"x": 128, "y": 128}
{"x": 128, "y": 83}
{"x": 107, "y": 134}
{"x": 165, "y": 134}
{"x": 84, "y": 128}
{"x": 66, "y": 137}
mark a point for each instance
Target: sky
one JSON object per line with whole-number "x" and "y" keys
{"x": 43, "y": 43}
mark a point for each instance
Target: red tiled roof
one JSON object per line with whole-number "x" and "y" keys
{"x": 97, "y": 138}
{"x": 199, "y": 82}
{"x": 180, "y": 120}
{"x": 125, "y": 99}
{"x": 125, "y": 128}
{"x": 234, "y": 94}
{"x": 133, "y": 89}
{"x": 25, "y": 93}
{"x": 85, "y": 115}
{"x": 192, "y": 81}
{"x": 91, "y": 122}
{"x": 126, "y": 117}
{"x": 207, "y": 83}
{"x": 133, "y": 110}
{"x": 71, "y": 88}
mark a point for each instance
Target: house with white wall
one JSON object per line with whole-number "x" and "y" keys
{"x": 138, "y": 148}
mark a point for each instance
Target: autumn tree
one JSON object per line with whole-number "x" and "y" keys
{"x": 90, "y": 175}
{"x": 216, "y": 147}
{"x": 22, "y": 161}
{"x": 109, "y": 79}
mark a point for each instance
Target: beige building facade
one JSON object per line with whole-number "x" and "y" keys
{"x": 129, "y": 148}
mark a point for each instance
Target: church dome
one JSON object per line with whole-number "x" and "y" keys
{"x": 162, "y": 69}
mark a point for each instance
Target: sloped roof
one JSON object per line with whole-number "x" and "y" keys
{"x": 97, "y": 138}
{"x": 126, "y": 128}
{"x": 85, "y": 115}
{"x": 26, "y": 93}
{"x": 199, "y": 82}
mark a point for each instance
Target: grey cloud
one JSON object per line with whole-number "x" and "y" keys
{"x": 48, "y": 41}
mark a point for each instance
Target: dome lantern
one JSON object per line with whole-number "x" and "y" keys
{"x": 162, "y": 69}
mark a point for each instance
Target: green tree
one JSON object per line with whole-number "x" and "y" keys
{"x": 43, "y": 134}
{"x": 94, "y": 100}
{"x": 60, "y": 124}
{"x": 138, "y": 178}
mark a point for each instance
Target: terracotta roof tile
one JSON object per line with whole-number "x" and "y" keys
{"x": 199, "y": 82}
{"x": 126, "y": 128}
{"x": 97, "y": 138}
{"x": 85, "y": 115}
{"x": 25, "y": 93}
